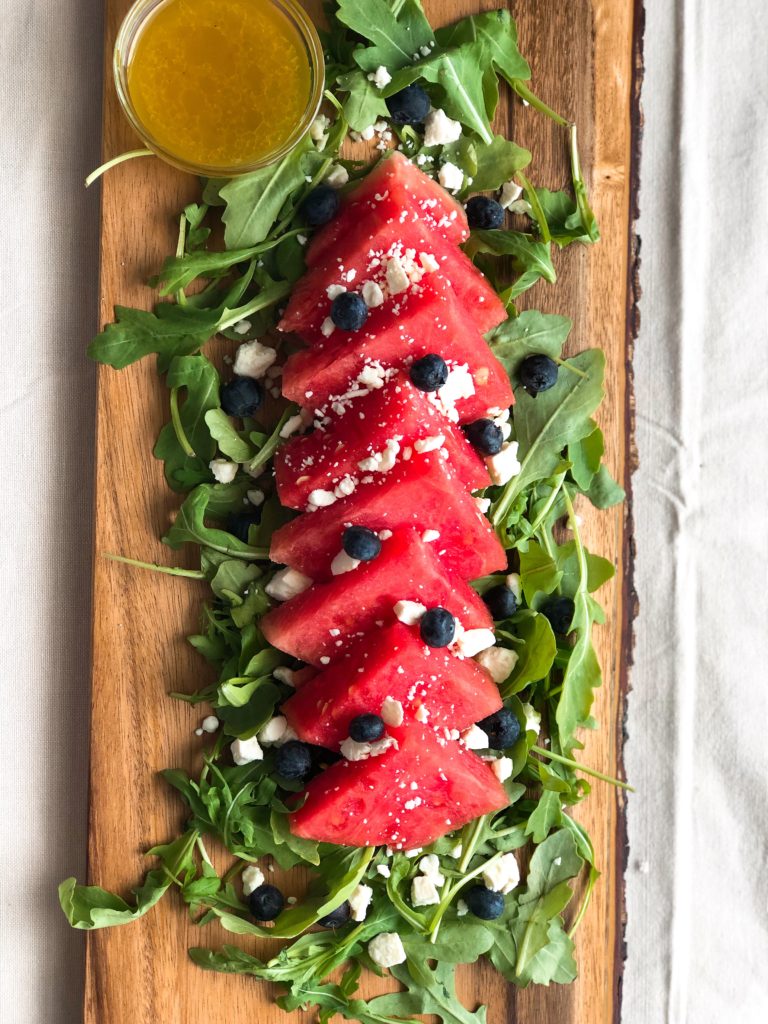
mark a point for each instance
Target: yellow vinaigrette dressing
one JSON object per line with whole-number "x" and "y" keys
{"x": 219, "y": 83}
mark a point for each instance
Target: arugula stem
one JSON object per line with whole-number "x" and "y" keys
{"x": 542, "y": 516}
{"x": 180, "y": 296}
{"x": 594, "y": 874}
{"x": 453, "y": 890}
{"x": 576, "y": 766}
{"x": 169, "y": 570}
{"x": 261, "y": 301}
{"x": 536, "y": 207}
{"x": 131, "y": 155}
{"x": 178, "y": 427}
{"x": 567, "y": 365}
{"x": 270, "y": 446}
{"x": 533, "y": 100}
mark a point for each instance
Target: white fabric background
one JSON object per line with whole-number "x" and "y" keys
{"x": 697, "y": 892}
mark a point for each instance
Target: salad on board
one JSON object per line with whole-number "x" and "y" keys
{"x": 381, "y": 488}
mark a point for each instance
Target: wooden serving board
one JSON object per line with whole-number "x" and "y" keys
{"x": 585, "y": 60}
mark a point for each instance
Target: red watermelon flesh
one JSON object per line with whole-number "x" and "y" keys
{"x": 407, "y": 797}
{"x": 456, "y": 692}
{"x": 423, "y": 493}
{"x": 432, "y": 322}
{"x": 321, "y": 622}
{"x": 394, "y": 185}
{"x": 351, "y": 267}
{"x": 360, "y": 428}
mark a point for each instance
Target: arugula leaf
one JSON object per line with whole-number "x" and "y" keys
{"x": 170, "y": 331}
{"x": 231, "y": 441}
{"x": 364, "y": 104}
{"x": 585, "y": 457}
{"x": 530, "y": 333}
{"x": 534, "y": 643}
{"x": 530, "y": 259}
{"x": 497, "y": 163}
{"x": 396, "y": 38}
{"x": 603, "y": 491}
{"x": 190, "y": 527}
{"x": 563, "y": 218}
{"x": 427, "y": 991}
{"x": 200, "y": 381}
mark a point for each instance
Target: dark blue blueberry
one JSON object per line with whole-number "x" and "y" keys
{"x": 429, "y": 373}
{"x": 501, "y": 602}
{"x": 337, "y": 917}
{"x": 484, "y": 903}
{"x": 366, "y": 728}
{"x": 239, "y": 523}
{"x": 293, "y": 760}
{"x": 349, "y": 311}
{"x": 266, "y": 902}
{"x": 559, "y": 611}
{"x": 537, "y": 374}
{"x": 437, "y": 627}
{"x": 484, "y": 213}
{"x": 320, "y": 206}
{"x": 485, "y": 435}
{"x": 502, "y": 728}
{"x": 241, "y": 396}
{"x": 361, "y": 543}
{"x": 409, "y": 106}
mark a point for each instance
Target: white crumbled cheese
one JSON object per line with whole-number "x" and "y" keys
{"x": 532, "y": 719}
{"x": 409, "y": 612}
{"x": 253, "y": 359}
{"x": 354, "y": 751}
{"x": 510, "y": 193}
{"x": 502, "y": 875}
{"x": 343, "y": 563}
{"x": 450, "y": 177}
{"x": 253, "y": 877}
{"x": 392, "y": 711}
{"x": 287, "y": 583}
{"x": 302, "y": 239}
{"x": 439, "y": 129}
{"x": 318, "y": 130}
{"x": 415, "y": 852}
{"x": 383, "y": 461}
{"x": 384, "y": 870}
{"x": 462, "y": 909}
{"x": 504, "y": 465}
{"x": 475, "y": 739}
{"x": 424, "y": 892}
{"x": 380, "y": 77}
{"x": 385, "y": 534}
{"x": 255, "y": 496}
{"x": 429, "y": 444}
{"x": 320, "y": 498}
{"x": 456, "y": 851}
{"x": 458, "y": 386}
{"x": 502, "y": 768}
{"x": 292, "y": 425}
{"x": 333, "y": 291}
{"x": 422, "y": 714}
{"x": 242, "y": 327}
{"x": 285, "y": 675}
{"x": 359, "y": 901}
{"x": 210, "y": 723}
{"x": 373, "y": 296}
{"x": 483, "y": 504}
{"x": 521, "y": 206}
{"x": 373, "y": 376}
{"x": 430, "y": 866}
{"x": 473, "y": 641}
{"x": 397, "y": 278}
{"x": 387, "y": 949}
{"x": 430, "y": 535}
{"x": 246, "y": 751}
{"x": 327, "y": 327}
{"x": 337, "y": 176}
{"x": 223, "y": 470}
{"x": 345, "y": 486}
{"x": 274, "y": 730}
{"x": 513, "y": 582}
{"x": 498, "y": 661}
{"x": 429, "y": 263}
{"x": 198, "y": 732}
{"x": 367, "y": 133}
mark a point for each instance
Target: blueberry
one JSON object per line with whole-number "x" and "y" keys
{"x": 437, "y": 627}
{"x": 266, "y": 902}
{"x": 485, "y": 435}
{"x": 559, "y": 611}
{"x": 241, "y": 396}
{"x": 429, "y": 373}
{"x": 293, "y": 760}
{"x": 501, "y": 602}
{"x": 484, "y": 213}
{"x": 349, "y": 311}
{"x": 502, "y": 728}
{"x": 361, "y": 543}
{"x": 484, "y": 903}
{"x": 337, "y": 917}
{"x": 538, "y": 373}
{"x": 366, "y": 728}
{"x": 320, "y": 206}
{"x": 409, "y": 106}
{"x": 239, "y": 523}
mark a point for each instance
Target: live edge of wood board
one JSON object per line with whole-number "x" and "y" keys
{"x": 586, "y": 61}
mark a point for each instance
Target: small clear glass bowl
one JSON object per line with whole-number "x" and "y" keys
{"x": 129, "y": 32}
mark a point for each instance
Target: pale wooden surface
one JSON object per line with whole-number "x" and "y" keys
{"x": 581, "y": 55}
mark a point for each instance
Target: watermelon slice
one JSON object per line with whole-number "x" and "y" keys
{"x": 319, "y": 623}
{"x": 393, "y": 185}
{"x": 418, "y": 249}
{"x": 387, "y": 422}
{"x": 432, "y": 321}
{"x": 422, "y": 493}
{"x": 456, "y": 692}
{"x": 406, "y": 797}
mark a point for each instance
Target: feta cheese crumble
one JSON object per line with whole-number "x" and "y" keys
{"x": 287, "y": 583}
{"x": 274, "y": 730}
{"x": 430, "y": 535}
{"x": 392, "y": 711}
{"x": 224, "y": 471}
{"x": 473, "y": 641}
{"x": 373, "y": 296}
{"x": 409, "y": 612}
{"x": 430, "y": 866}
{"x": 510, "y": 193}
{"x": 450, "y": 177}
{"x": 513, "y": 582}
{"x": 359, "y": 902}
{"x": 498, "y": 661}
{"x": 475, "y": 739}
{"x": 502, "y": 768}
{"x": 387, "y": 949}
{"x": 246, "y": 751}
{"x": 439, "y": 129}
{"x": 253, "y": 359}
{"x": 502, "y": 875}
{"x": 252, "y": 877}
{"x": 424, "y": 892}
{"x": 504, "y": 465}
{"x": 210, "y": 723}
{"x": 351, "y": 750}
{"x": 337, "y": 176}
{"x": 343, "y": 563}
{"x": 292, "y": 426}
{"x": 380, "y": 77}
{"x": 532, "y": 719}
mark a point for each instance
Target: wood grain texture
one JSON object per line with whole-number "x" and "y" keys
{"x": 581, "y": 53}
